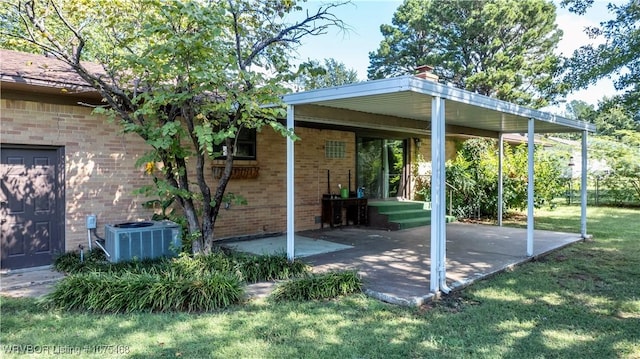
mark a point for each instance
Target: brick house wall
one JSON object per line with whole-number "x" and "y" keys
{"x": 100, "y": 173}
{"x": 266, "y": 196}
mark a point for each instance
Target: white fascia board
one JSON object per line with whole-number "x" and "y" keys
{"x": 360, "y": 89}
{"x": 470, "y": 98}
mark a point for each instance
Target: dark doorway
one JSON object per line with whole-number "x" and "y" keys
{"x": 380, "y": 167}
{"x": 31, "y": 206}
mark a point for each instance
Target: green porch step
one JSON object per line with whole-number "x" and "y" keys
{"x": 417, "y": 222}
{"x": 407, "y": 214}
{"x": 396, "y": 215}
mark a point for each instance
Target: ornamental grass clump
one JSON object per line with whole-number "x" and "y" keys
{"x": 184, "y": 283}
{"x": 95, "y": 261}
{"x": 254, "y": 268}
{"x": 248, "y": 267}
{"x": 145, "y": 292}
{"x": 319, "y": 286}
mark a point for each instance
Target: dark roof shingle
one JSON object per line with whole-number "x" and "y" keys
{"x": 39, "y": 70}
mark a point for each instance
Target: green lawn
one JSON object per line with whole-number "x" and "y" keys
{"x": 581, "y": 302}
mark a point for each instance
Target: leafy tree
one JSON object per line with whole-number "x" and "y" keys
{"x": 609, "y": 118}
{"x": 622, "y": 155}
{"x": 498, "y": 48}
{"x": 580, "y": 110}
{"x": 617, "y": 56}
{"x": 313, "y": 75}
{"x": 614, "y": 118}
{"x": 188, "y": 77}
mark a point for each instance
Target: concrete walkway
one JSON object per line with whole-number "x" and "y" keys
{"x": 394, "y": 265}
{"x": 32, "y": 282}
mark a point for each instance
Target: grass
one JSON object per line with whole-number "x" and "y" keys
{"x": 582, "y": 301}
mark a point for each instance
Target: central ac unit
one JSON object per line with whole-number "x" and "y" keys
{"x": 141, "y": 240}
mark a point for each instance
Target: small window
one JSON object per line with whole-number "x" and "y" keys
{"x": 245, "y": 146}
{"x": 334, "y": 149}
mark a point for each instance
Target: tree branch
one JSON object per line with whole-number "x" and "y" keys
{"x": 297, "y": 31}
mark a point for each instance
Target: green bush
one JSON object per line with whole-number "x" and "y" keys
{"x": 319, "y": 286}
{"x": 249, "y": 268}
{"x": 150, "y": 292}
{"x": 473, "y": 174}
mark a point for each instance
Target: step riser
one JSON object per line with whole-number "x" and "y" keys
{"x": 410, "y": 215}
{"x": 408, "y": 207}
{"x": 413, "y": 225}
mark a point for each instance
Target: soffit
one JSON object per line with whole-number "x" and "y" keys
{"x": 410, "y": 98}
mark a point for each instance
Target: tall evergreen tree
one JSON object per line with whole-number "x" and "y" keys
{"x": 498, "y": 48}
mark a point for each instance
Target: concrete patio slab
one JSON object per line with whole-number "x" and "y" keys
{"x": 305, "y": 246}
{"x": 396, "y": 265}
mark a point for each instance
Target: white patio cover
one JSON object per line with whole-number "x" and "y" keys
{"x": 413, "y": 105}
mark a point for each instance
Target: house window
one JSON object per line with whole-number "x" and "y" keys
{"x": 334, "y": 149}
{"x": 245, "y": 146}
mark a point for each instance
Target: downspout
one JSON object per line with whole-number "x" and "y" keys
{"x": 442, "y": 215}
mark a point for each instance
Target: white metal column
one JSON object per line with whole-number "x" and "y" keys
{"x": 291, "y": 218}
{"x": 438, "y": 199}
{"x": 500, "y": 178}
{"x": 530, "y": 188}
{"x": 583, "y": 189}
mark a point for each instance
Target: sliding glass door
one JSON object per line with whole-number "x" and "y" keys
{"x": 380, "y": 167}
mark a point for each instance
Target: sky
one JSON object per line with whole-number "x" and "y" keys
{"x": 364, "y": 17}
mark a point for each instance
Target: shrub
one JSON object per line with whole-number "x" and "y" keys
{"x": 186, "y": 283}
{"x": 95, "y": 261}
{"x": 249, "y": 268}
{"x": 152, "y": 292}
{"x": 474, "y": 176}
{"x": 255, "y": 268}
{"x": 319, "y": 286}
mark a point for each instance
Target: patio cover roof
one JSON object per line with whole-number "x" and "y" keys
{"x": 413, "y": 105}
{"x": 409, "y": 98}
